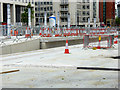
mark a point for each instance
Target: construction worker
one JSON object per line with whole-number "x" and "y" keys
{"x": 15, "y": 33}
{"x": 11, "y": 32}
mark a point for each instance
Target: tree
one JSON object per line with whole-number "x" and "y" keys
{"x": 24, "y": 16}
{"x": 117, "y": 21}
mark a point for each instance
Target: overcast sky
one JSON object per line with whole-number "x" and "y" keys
{"x": 117, "y": 0}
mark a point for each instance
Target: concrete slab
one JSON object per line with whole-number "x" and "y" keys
{"x": 33, "y": 77}
{"x": 51, "y": 68}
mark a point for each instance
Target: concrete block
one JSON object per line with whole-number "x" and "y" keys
{"x": 5, "y": 49}
{"x": 19, "y": 47}
{"x": 33, "y": 45}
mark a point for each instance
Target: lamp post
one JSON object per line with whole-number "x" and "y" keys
{"x": 8, "y": 20}
{"x": 76, "y": 19}
{"x": 58, "y": 23}
{"x": 68, "y": 20}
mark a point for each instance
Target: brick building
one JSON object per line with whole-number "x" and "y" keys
{"x": 107, "y": 12}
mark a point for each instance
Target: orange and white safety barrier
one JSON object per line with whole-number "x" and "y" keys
{"x": 49, "y": 33}
{"x": 116, "y": 39}
{"x": 40, "y": 32}
{"x": 27, "y": 33}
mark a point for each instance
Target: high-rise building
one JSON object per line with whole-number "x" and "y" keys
{"x": 16, "y": 9}
{"x": 118, "y": 7}
{"x": 80, "y": 11}
{"x": 107, "y": 12}
{"x": 40, "y": 8}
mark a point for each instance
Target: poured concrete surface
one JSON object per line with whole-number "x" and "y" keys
{"x": 51, "y": 68}
{"x": 35, "y": 77}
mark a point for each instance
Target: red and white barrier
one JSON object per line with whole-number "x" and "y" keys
{"x": 27, "y": 33}
{"x": 116, "y": 39}
{"x": 40, "y": 32}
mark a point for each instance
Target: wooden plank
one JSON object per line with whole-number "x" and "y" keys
{"x": 9, "y": 71}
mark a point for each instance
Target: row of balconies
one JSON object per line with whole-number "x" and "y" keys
{"x": 64, "y": 15}
{"x": 64, "y": 9}
{"x": 64, "y": 3}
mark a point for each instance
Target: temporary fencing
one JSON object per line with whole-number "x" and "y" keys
{"x": 96, "y": 42}
{"x": 58, "y": 31}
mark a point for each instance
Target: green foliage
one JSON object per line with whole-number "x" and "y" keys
{"x": 24, "y": 16}
{"x": 117, "y": 20}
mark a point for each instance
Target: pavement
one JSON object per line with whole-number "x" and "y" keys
{"x": 51, "y": 68}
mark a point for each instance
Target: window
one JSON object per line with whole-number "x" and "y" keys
{"x": 47, "y": 19}
{"x": 84, "y": 19}
{"x": 35, "y": 3}
{"x": 48, "y": 14}
{"x": 35, "y": 14}
{"x": 62, "y": 20}
{"x": 41, "y": 20}
{"x": 38, "y": 14}
{"x": 38, "y": 9}
{"x": 36, "y": 19}
{"x": 88, "y": 18}
{"x": 47, "y": 3}
{"x": 41, "y": 8}
{"x": 88, "y": 13}
{"x": 47, "y": 8}
{"x": 42, "y": 14}
{"x": 35, "y": 9}
{"x": 83, "y": 12}
{"x": 88, "y": 7}
{"x": 83, "y": 6}
{"x": 50, "y": 3}
{"x": 51, "y": 8}
{"x": 65, "y": 19}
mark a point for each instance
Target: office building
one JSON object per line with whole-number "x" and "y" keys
{"x": 16, "y": 9}
{"x": 79, "y": 10}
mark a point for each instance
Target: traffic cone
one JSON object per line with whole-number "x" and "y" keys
{"x": 66, "y": 50}
{"x": 40, "y": 33}
{"x": 115, "y": 39}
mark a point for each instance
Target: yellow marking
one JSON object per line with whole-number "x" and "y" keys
{"x": 99, "y": 37}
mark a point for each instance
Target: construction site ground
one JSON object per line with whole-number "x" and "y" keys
{"x": 51, "y": 68}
